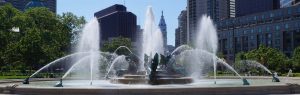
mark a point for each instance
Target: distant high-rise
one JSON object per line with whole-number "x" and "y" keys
{"x": 245, "y": 7}
{"x": 22, "y": 5}
{"x": 181, "y": 31}
{"x": 285, "y": 3}
{"x": 231, "y": 7}
{"x": 116, "y": 21}
{"x": 296, "y": 2}
{"x": 216, "y": 9}
{"x": 163, "y": 28}
{"x": 289, "y": 3}
{"x": 177, "y": 37}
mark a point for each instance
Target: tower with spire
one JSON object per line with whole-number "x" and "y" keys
{"x": 163, "y": 28}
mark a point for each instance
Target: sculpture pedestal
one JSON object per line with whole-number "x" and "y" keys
{"x": 130, "y": 79}
{"x": 141, "y": 79}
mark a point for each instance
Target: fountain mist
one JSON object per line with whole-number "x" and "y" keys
{"x": 89, "y": 42}
{"x": 255, "y": 64}
{"x": 207, "y": 38}
{"x": 152, "y": 36}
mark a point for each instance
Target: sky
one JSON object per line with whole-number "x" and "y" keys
{"x": 87, "y": 8}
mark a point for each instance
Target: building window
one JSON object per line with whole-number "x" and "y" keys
{"x": 259, "y": 30}
{"x": 269, "y": 42}
{"x": 277, "y": 41}
{"x": 289, "y": 11}
{"x": 251, "y": 37}
{"x": 277, "y": 27}
{"x": 286, "y": 26}
{"x": 269, "y": 36}
{"x": 271, "y": 15}
{"x": 268, "y": 28}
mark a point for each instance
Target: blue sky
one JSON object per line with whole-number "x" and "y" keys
{"x": 87, "y": 8}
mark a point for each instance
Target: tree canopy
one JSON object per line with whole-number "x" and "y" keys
{"x": 42, "y": 37}
{"x": 111, "y": 46}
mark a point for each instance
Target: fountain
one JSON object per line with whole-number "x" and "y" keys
{"x": 184, "y": 71}
{"x": 259, "y": 65}
{"x": 207, "y": 38}
{"x": 156, "y": 68}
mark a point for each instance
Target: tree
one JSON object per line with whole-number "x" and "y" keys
{"x": 270, "y": 57}
{"x": 111, "y": 46}
{"x": 240, "y": 56}
{"x": 221, "y": 55}
{"x": 74, "y": 23}
{"x": 296, "y": 60}
{"x": 7, "y": 14}
{"x": 43, "y": 36}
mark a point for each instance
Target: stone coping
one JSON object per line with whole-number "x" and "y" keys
{"x": 243, "y": 90}
{"x": 194, "y": 90}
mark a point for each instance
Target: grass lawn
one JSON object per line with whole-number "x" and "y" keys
{"x": 13, "y": 77}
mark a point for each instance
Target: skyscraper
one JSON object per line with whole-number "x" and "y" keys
{"x": 163, "y": 28}
{"x": 181, "y": 31}
{"x": 246, "y": 7}
{"x": 216, "y": 9}
{"x": 177, "y": 37}
{"x": 22, "y": 5}
{"x": 116, "y": 21}
{"x": 289, "y": 3}
{"x": 231, "y": 7}
{"x": 286, "y": 3}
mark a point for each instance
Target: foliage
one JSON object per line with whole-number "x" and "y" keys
{"x": 272, "y": 58}
{"x": 111, "y": 46}
{"x": 42, "y": 37}
{"x": 221, "y": 55}
{"x": 296, "y": 60}
{"x": 74, "y": 23}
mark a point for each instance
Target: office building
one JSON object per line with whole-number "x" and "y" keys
{"x": 247, "y": 7}
{"x": 278, "y": 29}
{"x": 116, "y": 21}
{"x": 181, "y": 31}
{"x": 177, "y": 37}
{"x": 216, "y": 9}
{"x": 289, "y": 3}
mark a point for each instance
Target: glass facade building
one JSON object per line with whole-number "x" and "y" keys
{"x": 216, "y": 9}
{"x": 277, "y": 29}
{"x": 286, "y": 3}
{"x": 181, "y": 31}
{"x": 115, "y": 21}
{"x": 246, "y": 7}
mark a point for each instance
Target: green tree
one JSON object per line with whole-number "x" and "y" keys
{"x": 270, "y": 57}
{"x": 74, "y": 24}
{"x": 296, "y": 60}
{"x": 221, "y": 55}
{"x": 43, "y": 37}
{"x": 111, "y": 46}
{"x": 7, "y": 14}
{"x": 238, "y": 57}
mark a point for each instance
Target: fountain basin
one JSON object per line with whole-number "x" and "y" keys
{"x": 204, "y": 86}
{"x": 157, "y": 90}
